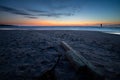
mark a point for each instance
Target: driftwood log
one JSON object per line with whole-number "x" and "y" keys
{"x": 81, "y": 64}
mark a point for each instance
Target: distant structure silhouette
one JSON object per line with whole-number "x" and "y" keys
{"x": 100, "y": 25}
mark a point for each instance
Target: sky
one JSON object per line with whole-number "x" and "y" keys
{"x": 60, "y": 12}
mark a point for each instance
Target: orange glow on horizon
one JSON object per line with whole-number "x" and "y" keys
{"x": 57, "y": 23}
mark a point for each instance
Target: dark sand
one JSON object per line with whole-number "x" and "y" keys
{"x": 27, "y": 54}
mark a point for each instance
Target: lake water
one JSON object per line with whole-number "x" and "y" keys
{"x": 111, "y": 30}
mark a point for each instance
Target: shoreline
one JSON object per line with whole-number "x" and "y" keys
{"x": 109, "y": 30}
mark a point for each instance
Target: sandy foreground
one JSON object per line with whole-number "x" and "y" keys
{"x": 25, "y": 55}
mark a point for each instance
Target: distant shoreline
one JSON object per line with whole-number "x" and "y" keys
{"x": 110, "y": 30}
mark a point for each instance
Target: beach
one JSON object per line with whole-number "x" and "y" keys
{"x": 26, "y": 54}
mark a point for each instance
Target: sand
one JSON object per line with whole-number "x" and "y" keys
{"x": 26, "y": 54}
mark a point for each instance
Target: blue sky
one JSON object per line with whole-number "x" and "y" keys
{"x": 59, "y": 12}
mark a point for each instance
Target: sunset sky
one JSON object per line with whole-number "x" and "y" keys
{"x": 59, "y": 12}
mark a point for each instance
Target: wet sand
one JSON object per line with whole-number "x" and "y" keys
{"x": 28, "y": 54}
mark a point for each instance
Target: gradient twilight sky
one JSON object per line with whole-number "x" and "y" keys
{"x": 59, "y": 12}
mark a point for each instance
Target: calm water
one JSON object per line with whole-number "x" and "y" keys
{"x": 112, "y": 30}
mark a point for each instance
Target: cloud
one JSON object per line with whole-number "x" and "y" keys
{"x": 46, "y": 8}
{"x": 61, "y": 7}
{"x": 57, "y": 8}
{"x": 13, "y": 11}
{"x": 28, "y": 13}
{"x": 37, "y": 11}
{"x": 62, "y": 4}
{"x": 32, "y": 17}
{"x": 55, "y": 14}
{"x": 17, "y": 12}
{"x": 48, "y": 13}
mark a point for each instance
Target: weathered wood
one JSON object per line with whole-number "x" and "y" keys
{"x": 80, "y": 63}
